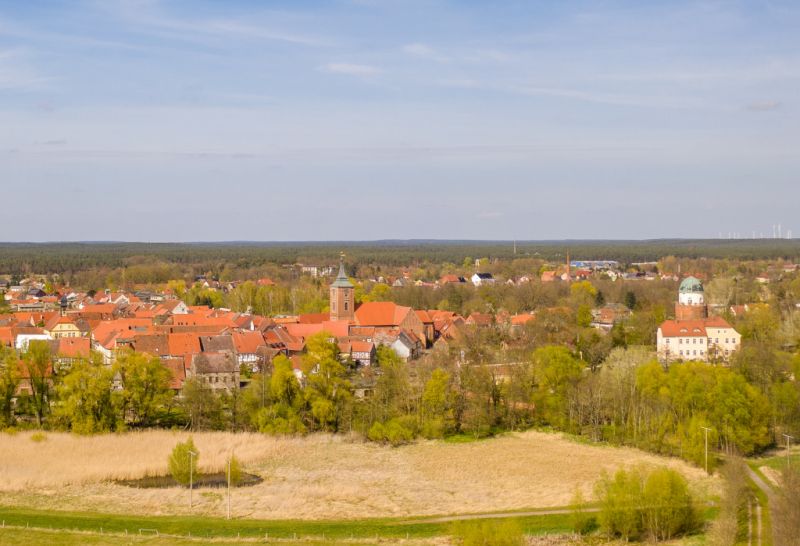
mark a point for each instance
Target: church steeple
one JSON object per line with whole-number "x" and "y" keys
{"x": 342, "y": 300}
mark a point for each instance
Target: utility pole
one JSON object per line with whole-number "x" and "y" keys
{"x": 229, "y": 485}
{"x": 192, "y": 455}
{"x": 706, "y": 429}
{"x": 788, "y": 447}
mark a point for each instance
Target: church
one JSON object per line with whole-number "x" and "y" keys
{"x": 693, "y": 335}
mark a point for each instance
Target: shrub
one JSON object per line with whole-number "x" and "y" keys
{"x": 38, "y": 437}
{"x": 396, "y": 431}
{"x": 181, "y": 463}
{"x": 235, "y": 471}
{"x": 635, "y": 503}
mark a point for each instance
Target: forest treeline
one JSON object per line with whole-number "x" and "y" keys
{"x": 70, "y": 258}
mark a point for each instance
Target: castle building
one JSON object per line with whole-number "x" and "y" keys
{"x": 342, "y": 297}
{"x": 693, "y": 335}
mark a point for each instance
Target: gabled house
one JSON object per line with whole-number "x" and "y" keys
{"x": 480, "y": 279}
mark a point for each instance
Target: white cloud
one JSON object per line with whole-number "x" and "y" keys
{"x": 351, "y": 69}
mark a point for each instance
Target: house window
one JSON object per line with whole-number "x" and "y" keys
{"x": 680, "y": 340}
{"x": 345, "y": 305}
{"x": 667, "y": 341}
{"x": 681, "y": 352}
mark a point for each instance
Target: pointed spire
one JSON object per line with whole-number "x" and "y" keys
{"x": 341, "y": 279}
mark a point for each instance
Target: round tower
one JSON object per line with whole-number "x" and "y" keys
{"x": 691, "y": 300}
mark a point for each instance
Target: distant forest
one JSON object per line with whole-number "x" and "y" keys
{"x": 25, "y": 258}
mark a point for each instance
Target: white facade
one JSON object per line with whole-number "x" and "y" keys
{"x": 691, "y": 298}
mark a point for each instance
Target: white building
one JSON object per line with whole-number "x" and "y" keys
{"x": 693, "y": 335}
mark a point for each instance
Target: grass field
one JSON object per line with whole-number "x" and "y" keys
{"x": 316, "y": 477}
{"x": 32, "y": 526}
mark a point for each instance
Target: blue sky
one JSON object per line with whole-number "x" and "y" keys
{"x": 155, "y": 120}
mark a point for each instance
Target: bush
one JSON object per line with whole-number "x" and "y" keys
{"x": 636, "y": 503}
{"x": 235, "y": 471}
{"x": 38, "y": 437}
{"x": 396, "y": 431}
{"x": 506, "y": 532}
{"x": 182, "y": 465}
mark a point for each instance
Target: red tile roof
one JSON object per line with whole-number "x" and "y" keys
{"x": 381, "y": 313}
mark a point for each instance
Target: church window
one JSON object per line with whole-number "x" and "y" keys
{"x": 345, "y": 306}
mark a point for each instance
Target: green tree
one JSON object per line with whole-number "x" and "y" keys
{"x": 9, "y": 381}
{"x": 234, "y": 468}
{"x": 87, "y": 404}
{"x": 36, "y": 360}
{"x": 667, "y": 508}
{"x": 328, "y": 390}
{"x": 436, "y": 405}
{"x": 183, "y": 461}
{"x": 630, "y": 300}
{"x": 201, "y": 404}
{"x": 145, "y": 386}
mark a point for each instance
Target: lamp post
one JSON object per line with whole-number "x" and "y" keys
{"x": 192, "y": 455}
{"x": 788, "y": 448}
{"x": 230, "y": 459}
{"x": 706, "y": 429}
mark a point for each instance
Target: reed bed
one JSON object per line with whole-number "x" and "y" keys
{"x": 318, "y": 476}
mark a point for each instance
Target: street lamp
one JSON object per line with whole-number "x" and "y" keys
{"x": 192, "y": 455}
{"x": 788, "y": 448}
{"x": 706, "y": 429}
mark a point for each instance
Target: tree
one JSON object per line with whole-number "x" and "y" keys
{"x": 328, "y": 390}
{"x": 283, "y": 414}
{"x": 667, "y": 505}
{"x": 234, "y": 468}
{"x": 436, "y": 406}
{"x": 87, "y": 402}
{"x": 145, "y": 386}
{"x": 40, "y": 375}
{"x": 183, "y": 461}
{"x": 201, "y": 404}
{"x": 9, "y": 381}
{"x": 630, "y": 300}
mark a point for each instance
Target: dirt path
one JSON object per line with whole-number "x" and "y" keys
{"x": 495, "y": 515}
{"x": 767, "y": 490}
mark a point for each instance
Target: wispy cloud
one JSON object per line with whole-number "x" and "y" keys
{"x": 425, "y": 52}
{"x": 16, "y": 71}
{"x": 351, "y": 69}
{"x": 763, "y": 106}
{"x": 150, "y": 15}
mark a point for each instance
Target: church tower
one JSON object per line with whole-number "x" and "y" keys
{"x": 342, "y": 296}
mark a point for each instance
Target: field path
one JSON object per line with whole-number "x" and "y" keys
{"x": 496, "y": 515}
{"x": 767, "y": 490}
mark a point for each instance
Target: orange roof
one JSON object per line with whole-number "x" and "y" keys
{"x": 183, "y": 344}
{"x": 177, "y": 369}
{"x": 521, "y": 319}
{"x": 248, "y": 342}
{"x": 74, "y": 347}
{"x": 6, "y": 335}
{"x": 424, "y": 316}
{"x": 683, "y": 328}
{"x": 381, "y": 313}
{"x": 313, "y": 318}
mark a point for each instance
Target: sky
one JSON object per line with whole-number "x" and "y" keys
{"x": 158, "y": 120}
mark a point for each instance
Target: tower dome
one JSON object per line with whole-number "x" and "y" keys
{"x": 691, "y": 292}
{"x": 691, "y": 285}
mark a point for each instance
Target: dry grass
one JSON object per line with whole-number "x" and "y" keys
{"x": 317, "y": 477}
